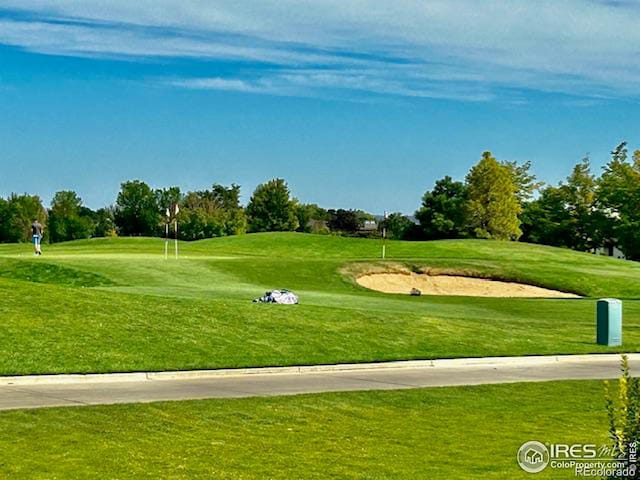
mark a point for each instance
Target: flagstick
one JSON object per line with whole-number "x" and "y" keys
{"x": 384, "y": 237}
{"x": 166, "y": 240}
{"x": 167, "y": 222}
{"x": 176, "y": 228}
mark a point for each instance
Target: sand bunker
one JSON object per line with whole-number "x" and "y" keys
{"x": 454, "y": 285}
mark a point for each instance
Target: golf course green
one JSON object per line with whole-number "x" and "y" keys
{"x": 114, "y": 305}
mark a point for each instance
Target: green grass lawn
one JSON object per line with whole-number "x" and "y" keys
{"x": 116, "y": 304}
{"x": 440, "y": 433}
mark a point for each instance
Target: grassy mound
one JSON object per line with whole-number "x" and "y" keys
{"x": 43, "y": 272}
{"x": 117, "y": 305}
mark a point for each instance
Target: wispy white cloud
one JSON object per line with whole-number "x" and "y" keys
{"x": 121, "y": 41}
{"x": 328, "y": 83}
{"x": 228, "y": 84}
{"x": 462, "y": 49}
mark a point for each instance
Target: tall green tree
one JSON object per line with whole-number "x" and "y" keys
{"x": 6, "y": 219}
{"x": 547, "y": 220}
{"x": 311, "y": 218}
{"x": 525, "y": 181}
{"x": 493, "y": 206}
{"x": 344, "y": 221}
{"x": 68, "y": 219}
{"x": 166, "y": 198}
{"x": 229, "y": 199}
{"x": 19, "y": 213}
{"x": 570, "y": 215}
{"x": 580, "y": 197}
{"x": 443, "y": 210}
{"x": 398, "y": 226}
{"x": 137, "y": 211}
{"x": 565, "y": 216}
{"x": 271, "y": 208}
{"x": 212, "y": 213}
{"x": 619, "y": 199}
{"x": 104, "y": 219}
{"x": 584, "y": 212}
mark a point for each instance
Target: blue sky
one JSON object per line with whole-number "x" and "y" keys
{"x": 360, "y": 104}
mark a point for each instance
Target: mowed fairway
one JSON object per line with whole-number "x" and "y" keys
{"x": 442, "y": 433}
{"x": 116, "y": 305}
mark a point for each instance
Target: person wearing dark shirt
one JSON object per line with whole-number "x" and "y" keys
{"x": 36, "y": 236}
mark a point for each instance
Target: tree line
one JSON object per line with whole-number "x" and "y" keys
{"x": 140, "y": 210}
{"x": 496, "y": 200}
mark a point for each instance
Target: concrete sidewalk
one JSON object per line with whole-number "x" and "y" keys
{"x": 74, "y": 390}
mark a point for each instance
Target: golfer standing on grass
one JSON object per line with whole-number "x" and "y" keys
{"x": 36, "y": 236}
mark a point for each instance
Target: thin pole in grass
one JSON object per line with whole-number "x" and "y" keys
{"x": 384, "y": 236}
{"x": 166, "y": 234}
{"x": 175, "y": 220}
